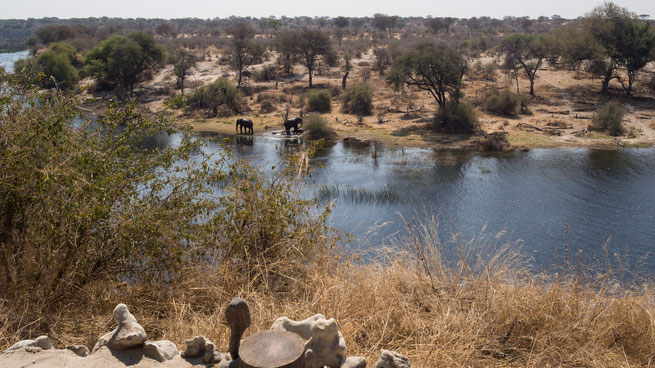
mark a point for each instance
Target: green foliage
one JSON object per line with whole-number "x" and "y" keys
{"x": 358, "y": 99}
{"x": 455, "y": 118}
{"x": 317, "y": 127}
{"x": 96, "y": 204}
{"x": 120, "y": 62}
{"x": 501, "y": 102}
{"x": 430, "y": 67}
{"x": 319, "y": 100}
{"x": 609, "y": 119}
{"x": 183, "y": 62}
{"x": 219, "y": 98}
{"x": 311, "y": 43}
{"x": 525, "y": 52}
{"x": 267, "y": 73}
{"x": 57, "y": 65}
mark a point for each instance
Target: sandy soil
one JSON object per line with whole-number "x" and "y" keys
{"x": 560, "y": 113}
{"x": 103, "y": 358}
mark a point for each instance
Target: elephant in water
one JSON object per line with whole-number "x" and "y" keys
{"x": 292, "y": 123}
{"x": 244, "y": 124}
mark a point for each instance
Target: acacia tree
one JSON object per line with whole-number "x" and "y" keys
{"x": 285, "y": 44}
{"x": 244, "y": 51}
{"x": 527, "y": 52}
{"x": 312, "y": 43}
{"x": 607, "y": 41}
{"x": 183, "y": 62}
{"x": 341, "y": 23}
{"x": 432, "y": 68}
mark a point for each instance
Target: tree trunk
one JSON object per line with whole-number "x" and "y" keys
{"x": 343, "y": 80}
{"x": 310, "y": 69}
{"x": 606, "y": 81}
{"x": 532, "y": 86}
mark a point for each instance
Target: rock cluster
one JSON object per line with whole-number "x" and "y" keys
{"x": 324, "y": 345}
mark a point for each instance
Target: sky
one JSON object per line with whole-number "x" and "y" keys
{"x": 205, "y": 9}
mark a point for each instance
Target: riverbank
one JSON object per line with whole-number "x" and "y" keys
{"x": 491, "y": 312}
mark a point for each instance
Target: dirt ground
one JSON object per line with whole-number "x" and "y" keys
{"x": 560, "y": 113}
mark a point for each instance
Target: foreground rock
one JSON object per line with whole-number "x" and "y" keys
{"x": 201, "y": 346}
{"x": 160, "y": 351}
{"x": 325, "y": 346}
{"x": 80, "y": 350}
{"x": 128, "y": 333}
{"x": 354, "y": 362}
{"x": 391, "y": 359}
{"x": 42, "y": 342}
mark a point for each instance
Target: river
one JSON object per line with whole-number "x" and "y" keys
{"x": 606, "y": 197}
{"x": 7, "y": 60}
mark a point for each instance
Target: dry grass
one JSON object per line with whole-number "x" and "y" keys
{"x": 483, "y": 310}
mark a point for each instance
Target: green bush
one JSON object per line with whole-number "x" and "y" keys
{"x": 319, "y": 100}
{"x": 266, "y": 74}
{"x": 317, "y": 127}
{"x": 609, "y": 119}
{"x": 93, "y": 206}
{"x": 358, "y": 99}
{"x": 501, "y": 102}
{"x": 455, "y": 118}
{"x": 57, "y": 65}
{"x": 220, "y": 96}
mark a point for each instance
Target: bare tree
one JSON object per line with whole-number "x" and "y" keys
{"x": 244, "y": 51}
{"x": 311, "y": 44}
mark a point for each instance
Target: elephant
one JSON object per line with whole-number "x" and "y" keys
{"x": 292, "y": 123}
{"x": 244, "y": 124}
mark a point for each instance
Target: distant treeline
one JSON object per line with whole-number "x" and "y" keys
{"x": 19, "y": 34}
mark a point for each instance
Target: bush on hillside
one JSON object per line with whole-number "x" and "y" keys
{"x": 358, "y": 100}
{"x": 319, "y": 100}
{"x": 455, "y": 118}
{"x": 317, "y": 127}
{"x": 609, "y": 119}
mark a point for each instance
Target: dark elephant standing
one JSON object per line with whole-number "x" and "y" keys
{"x": 292, "y": 123}
{"x": 244, "y": 124}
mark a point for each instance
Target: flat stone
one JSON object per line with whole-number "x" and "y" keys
{"x": 42, "y": 342}
{"x": 272, "y": 349}
{"x": 160, "y": 351}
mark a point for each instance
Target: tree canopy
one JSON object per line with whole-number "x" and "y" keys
{"x": 119, "y": 61}
{"x": 432, "y": 68}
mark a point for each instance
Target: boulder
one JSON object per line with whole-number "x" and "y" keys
{"x": 160, "y": 351}
{"x": 391, "y": 359}
{"x": 80, "y": 350}
{"x": 325, "y": 345}
{"x": 354, "y": 362}
{"x": 201, "y": 346}
{"x": 127, "y": 334}
{"x": 42, "y": 342}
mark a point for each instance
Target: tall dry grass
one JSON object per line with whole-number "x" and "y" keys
{"x": 484, "y": 309}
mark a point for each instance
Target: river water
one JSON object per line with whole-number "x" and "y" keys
{"x": 606, "y": 197}
{"x": 7, "y": 59}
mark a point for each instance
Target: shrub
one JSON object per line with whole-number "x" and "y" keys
{"x": 317, "y": 127}
{"x": 501, "y": 102}
{"x": 319, "y": 100}
{"x": 266, "y": 74}
{"x": 609, "y": 119}
{"x": 220, "y": 94}
{"x": 455, "y": 118}
{"x": 57, "y": 65}
{"x": 267, "y": 107}
{"x": 358, "y": 100}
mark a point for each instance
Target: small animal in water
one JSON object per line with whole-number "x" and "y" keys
{"x": 244, "y": 124}
{"x": 292, "y": 123}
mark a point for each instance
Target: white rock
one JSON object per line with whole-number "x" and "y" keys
{"x": 354, "y": 362}
{"x": 325, "y": 346}
{"x": 391, "y": 359}
{"x": 202, "y": 346}
{"x": 80, "y": 350}
{"x": 128, "y": 333}
{"x": 41, "y": 342}
{"x": 160, "y": 351}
